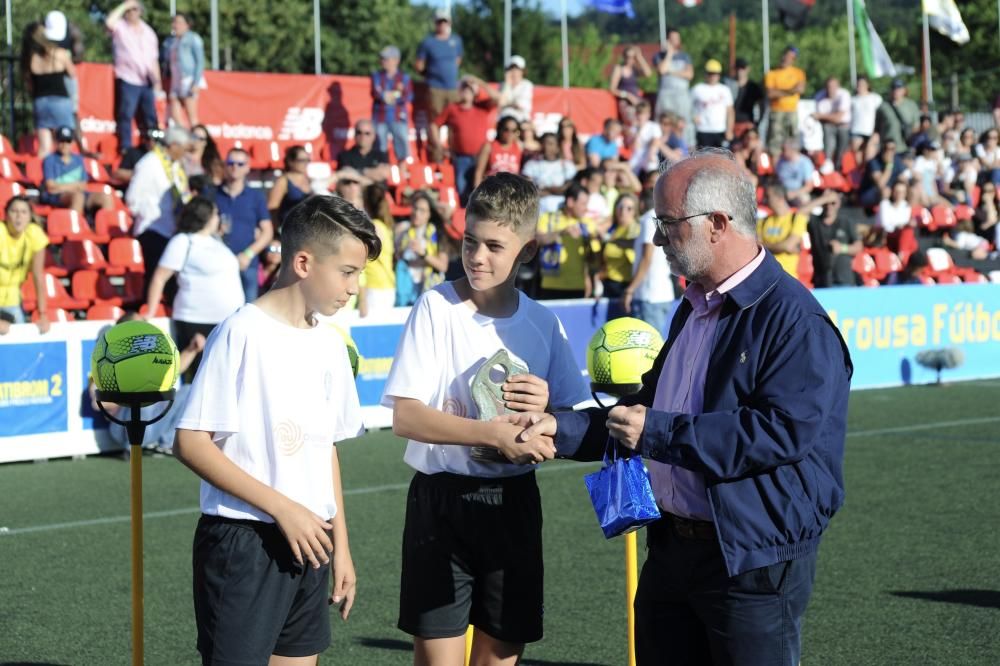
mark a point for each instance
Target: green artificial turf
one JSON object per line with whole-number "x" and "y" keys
{"x": 907, "y": 573}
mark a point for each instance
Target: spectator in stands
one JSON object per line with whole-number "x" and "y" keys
{"x": 364, "y": 156}
{"x": 158, "y": 187}
{"x": 988, "y": 153}
{"x": 987, "y": 214}
{"x": 64, "y": 34}
{"x": 833, "y": 111}
{"x": 203, "y": 157}
{"x": 618, "y": 255}
{"x": 929, "y": 169}
{"x": 246, "y": 222}
{"x": 712, "y": 108}
{"x": 569, "y": 143}
{"x": 137, "y": 70}
{"x": 625, "y": 78}
{"x": 676, "y": 70}
{"x": 209, "y": 285}
{"x": 881, "y": 173}
{"x": 598, "y": 207}
{"x": 784, "y": 87}
{"x": 392, "y": 94}
{"x": 122, "y": 173}
{"x": 747, "y": 152}
{"x": 864, "y": 107}
{"x": 503, "y": 154}
{"x": 187, "y": 70}
{"x": 422, "y": 260}
{"x": 619, "y": 179}
{"x": 551, "y": 173}
{"x": 650, "y": 292}
{"x": 467, "y": 121}
{"x": 516, "y": 92}
{"x": 379, "y": 278}
{"x": 531, "y": 146}
{"x": 291, "y": 187}
{"x": 606, "y": 145}
{"x": 795, "y": 171}
{"x": 966, "y": 144}
{"x": 781, "y": 232}
{"x": 439, "y": 56}
{"x": 22, "y": 251}
{"x": 65, "y": 179}
{"x": 833, "y": 243}
{"x": 897, "y": 117}
{"x": 349, "y": 185}
{"x": 567, "y": 243}
{"x": 670, "y": 145}
{"x": 963, "y": 238}
{"x": 895, "y": 211}
{"x": 748, "y": 99}
{"x": 647, "y": 132}
{"x": 45, "y": 68}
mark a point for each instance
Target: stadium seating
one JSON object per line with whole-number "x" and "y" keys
{"x": 8, "y": 190}
{"x": 56, "y": 315}
{"x": 56, "y": 295}
{"x": 104, "y": 312}
{"x": 126, "y": 253}
{"x": 86, "y": 255}
{"x": 112, "y": 223}
{"x": 96, "y": 171}
{"x": 96, "y": 287}
{"x": 52, "y": 263}
{"x": 64, "y": 224}
{"x": 941, "y": 267}
{"x": 33, "y": 173}
{"x": 9, "y": 171}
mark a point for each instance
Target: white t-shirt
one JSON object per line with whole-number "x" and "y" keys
{"x": 643, "y": 155}
{"x": 863, "y": 108}
{"x": 657, "y": 286}
{"x": 709, "y": 105}
{"x": 445, "y": 342}
{"x": 840, "y": 103}
{"x": 277, "y": 398}
{"x": 208, "y": 278}
{"x": 892, "y": 216}
{"x": 516, "y": 102}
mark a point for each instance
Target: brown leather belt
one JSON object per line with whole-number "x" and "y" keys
{"x": 691, "y": 529}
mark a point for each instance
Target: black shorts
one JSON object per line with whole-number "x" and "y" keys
{"x": 472, "y": 553}
{"x": 251, "y": 599}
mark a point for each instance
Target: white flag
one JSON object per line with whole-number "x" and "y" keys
{"x": 943, "y": 16}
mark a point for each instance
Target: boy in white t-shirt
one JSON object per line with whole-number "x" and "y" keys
{"x": 472, "y": 547}
{"x": 274, "y": 393}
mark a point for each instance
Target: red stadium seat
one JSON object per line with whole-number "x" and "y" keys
{"x": 96, "y": 171}
{"x": 864, "y": 266}
{"x": 56, "y": 315}
{"x": 53, "y": 265}
{"x": 9, "y": 190}
{"x": 112, "y": 223}
{"x": 6, "y": 147}
{"x": 8, "y": 170}
{"x": 104, "y": 312}
{"x": 27, "y": 144}
{"x": 56, "y": 293}
{"x": 942, "y": 217}
{"x": 135, "y": 288}
{"x": 805, "y": 269}
{"x": 963, "y": 212}
{"x": 126, "y": 253}
{"x": 86, "y": 255}
{"x": 94, "y": 286}
{"x": 108, "y": 148}
{"x": 33, "y": 171}
{"x": 64, "y": 224}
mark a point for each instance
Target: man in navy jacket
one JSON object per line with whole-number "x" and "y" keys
{"x": 741, "y": 421}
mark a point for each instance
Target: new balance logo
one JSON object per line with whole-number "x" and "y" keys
{"x": 302, "y": 123}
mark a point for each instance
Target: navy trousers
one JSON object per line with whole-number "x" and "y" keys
{"x": 132, "y": 98}
{"x": 689, "y": 611}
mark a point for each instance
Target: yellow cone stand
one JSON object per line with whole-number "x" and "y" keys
{"x": 136, "y": 429}
{"x": 631, "y": 584}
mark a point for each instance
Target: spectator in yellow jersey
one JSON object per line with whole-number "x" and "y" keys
{"x": 781, "y": 232}
{"x": 379, "y": 293}
{"x": 567, "y": 243}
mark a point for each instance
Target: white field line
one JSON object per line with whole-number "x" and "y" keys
{"x": 111, "y": 520}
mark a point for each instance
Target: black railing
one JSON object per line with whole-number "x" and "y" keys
{"x": 15, "y": 102}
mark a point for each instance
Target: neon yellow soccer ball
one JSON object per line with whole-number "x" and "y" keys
{"x": 619, "y": 353}
{"x": 352, "y": 350}
{"x": 134, "y": 357}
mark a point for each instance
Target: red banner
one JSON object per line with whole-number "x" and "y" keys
{"x": 301, "y": 108}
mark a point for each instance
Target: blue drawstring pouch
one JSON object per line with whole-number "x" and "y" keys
{"x": 621, "y": 494}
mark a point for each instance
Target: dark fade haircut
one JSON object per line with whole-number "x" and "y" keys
{"x": 318, "y": 224}
{"x": 507, "y": 199}
{"x": 195, "y": 215}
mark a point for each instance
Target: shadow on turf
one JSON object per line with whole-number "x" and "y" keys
{"x": 978, "y": 598}
{"x": 406, "y": 646}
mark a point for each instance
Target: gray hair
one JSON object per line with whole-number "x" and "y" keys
{"x": 176, "y": 134}
{"x": 722, "y": 190}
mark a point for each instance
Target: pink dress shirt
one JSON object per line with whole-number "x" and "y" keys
{"x": 681, "y": 388}
{"x": 136, "y": 53}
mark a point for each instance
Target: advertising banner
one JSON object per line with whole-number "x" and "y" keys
{"x": 32, "y": 388}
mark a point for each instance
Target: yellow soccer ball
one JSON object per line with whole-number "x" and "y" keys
{"x": 134, "y": 357}
{"x": 619, "y": 354}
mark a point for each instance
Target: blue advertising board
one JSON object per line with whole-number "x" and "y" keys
{"x": 33, "y": 388}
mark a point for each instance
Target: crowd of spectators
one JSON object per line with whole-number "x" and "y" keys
{"x": 887, "y": 178}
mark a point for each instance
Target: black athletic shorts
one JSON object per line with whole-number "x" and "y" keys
{"x": 251, "y": 599}
{"x": 472, "y": 552}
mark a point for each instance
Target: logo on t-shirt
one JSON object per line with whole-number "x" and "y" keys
{"x": 288, "y": 438}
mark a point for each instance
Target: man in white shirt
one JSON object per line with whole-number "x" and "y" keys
{"x": 712, "y": 107}
{"x": 833, "y": 111}
{"x": 516, "y": 92}
{"x": 644, "y": 157}
{"x": 650, "y": 295}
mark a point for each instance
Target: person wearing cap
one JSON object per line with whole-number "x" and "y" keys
{"x": 64, "y": 183}
{"x": 897, "y": 117}
{"x": 158, "y": 189}
{"x": 45, "y": 67}
{"x": 748, "y": 98}
{"x": 187, "y": 71}
{"x": 392, "y": 94}
{"x": 439, "y": 56}
{"x": 833, "y": 111}
{"x": 712, "y": 108}
{"x": 784, "y": 85}
{"x": 468, "y": 121}
{"x": 137, "y": 70}
{"x": 516, "y": 92}
{"x": 676, "y": 70}
{"x": 364, "y": 155}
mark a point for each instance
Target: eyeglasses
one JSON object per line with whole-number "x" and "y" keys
{"x": 235, "y": 163}
{"x": 200, "y": 138}
{"x": 364, "y": 132}
{"x": 349, "y": 182}
{"x": 300, "y": 160}
{"x": 663, "y": 224}
{"x": 510, "y": 129}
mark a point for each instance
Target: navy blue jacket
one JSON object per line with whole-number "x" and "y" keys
{"x": 770, "y": 440}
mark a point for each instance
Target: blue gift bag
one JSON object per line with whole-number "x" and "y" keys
{"x": 621, "y": 494}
